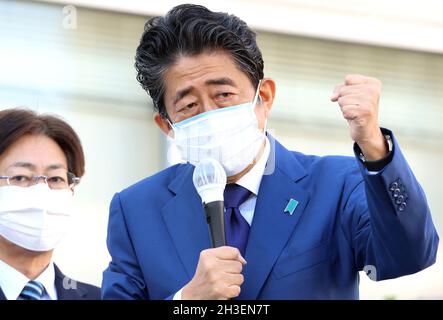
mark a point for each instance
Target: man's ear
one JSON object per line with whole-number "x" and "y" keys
{"x": 267, "y": 93}
{"x": 162, "y": 123}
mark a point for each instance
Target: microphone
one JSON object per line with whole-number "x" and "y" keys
{"x": 210, "y": 180}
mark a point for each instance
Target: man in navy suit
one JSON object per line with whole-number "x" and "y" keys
{"x": 60, "y": 286}
{"x": 297, "y": 226}
{"x": 41, "y": 162}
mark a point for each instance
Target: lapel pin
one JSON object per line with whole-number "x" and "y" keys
{"x": 290, "y": 207}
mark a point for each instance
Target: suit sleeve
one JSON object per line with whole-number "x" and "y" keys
{"x": 387, "y": 221}
{"x": 122, "y": 280}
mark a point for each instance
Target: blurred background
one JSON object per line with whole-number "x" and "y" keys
{"x": 76, "y": 59}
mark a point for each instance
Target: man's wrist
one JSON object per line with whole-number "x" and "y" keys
{"x": 374, "y": 149}
{"x": 186, "y": 292}
{"x": 377, "y": 165}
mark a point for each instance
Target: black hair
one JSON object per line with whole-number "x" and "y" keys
{"x": 18, "y": 122}
{"x": 188, "y": 30}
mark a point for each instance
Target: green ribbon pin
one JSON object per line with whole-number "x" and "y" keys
{"x": 290, "y": 207}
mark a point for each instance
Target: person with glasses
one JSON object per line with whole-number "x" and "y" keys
{"x": 41, "y": 162}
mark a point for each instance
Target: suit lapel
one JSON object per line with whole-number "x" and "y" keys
{"x": 185, "y": 219}
{"x": 2, "y": 295}
{"x": 272, "y": 227}
{"x": 64, "y": 289}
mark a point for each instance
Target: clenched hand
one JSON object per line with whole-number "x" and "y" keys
{"x": 358, "y": 98}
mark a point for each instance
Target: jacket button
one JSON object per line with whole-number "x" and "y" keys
{"x": 402, "y": 207}
{"x": 400, "y": 199}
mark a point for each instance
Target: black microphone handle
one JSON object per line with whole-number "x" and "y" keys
{"x": 215, "y": 217}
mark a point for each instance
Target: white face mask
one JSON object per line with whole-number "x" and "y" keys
{"x": 229, "y": 135}
{"x": 35, "y": 218}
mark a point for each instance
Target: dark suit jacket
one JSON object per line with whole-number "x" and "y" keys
{"x": 83, "y": 291}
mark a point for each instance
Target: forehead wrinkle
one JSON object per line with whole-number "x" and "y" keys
{"x": 22, "y": 164}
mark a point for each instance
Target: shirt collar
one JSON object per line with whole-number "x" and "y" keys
{"x": 12, "y": 281}
{"x": 252, "y": 179}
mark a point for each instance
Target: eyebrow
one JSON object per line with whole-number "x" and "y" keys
{"x": 211, "y": 82}
{"x": 31, "y": 166}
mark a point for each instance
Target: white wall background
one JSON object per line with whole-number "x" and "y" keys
{"x": 410, "y": 24}
{"x": 86, "y": 75}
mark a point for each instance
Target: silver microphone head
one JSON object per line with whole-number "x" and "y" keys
{"x": 210, "y": 180}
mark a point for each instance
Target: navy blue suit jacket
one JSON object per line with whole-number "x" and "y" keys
{"x": 346, "y": 221}
{"x": 82, "y": 291}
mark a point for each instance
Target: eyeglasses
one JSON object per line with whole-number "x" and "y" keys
{"x": 67, "y": 181}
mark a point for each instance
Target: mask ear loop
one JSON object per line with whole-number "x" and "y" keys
{"x": 172, "y": 129}
{"x": 254, "y": 103}
{"x": 173, "y": 139}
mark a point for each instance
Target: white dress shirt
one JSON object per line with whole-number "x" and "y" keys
{"x": 250, "y": 181}
{"x": 12, "y": 281}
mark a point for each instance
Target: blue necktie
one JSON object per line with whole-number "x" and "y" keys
{"x": 33, "y": 290}
{"x": 236, "y": 227}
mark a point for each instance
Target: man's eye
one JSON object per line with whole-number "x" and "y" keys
{"x": 19, "y": 178}
{"x": 224, "y": 95}
{"x": 187, "y": 107}
{"x": 56, "y": 180}
{"x": 191, "y": 105}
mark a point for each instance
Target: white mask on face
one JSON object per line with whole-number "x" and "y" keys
{"x": 35, "y": 218}
{"x": 229, "y": 135}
